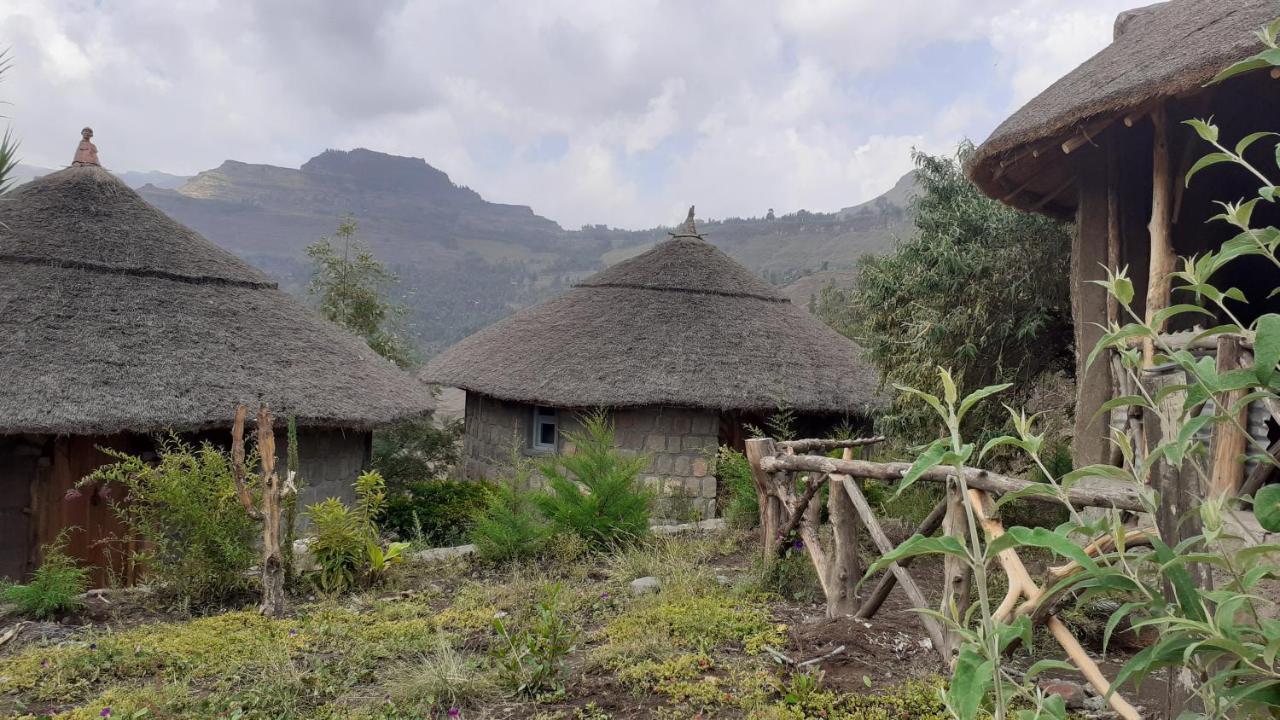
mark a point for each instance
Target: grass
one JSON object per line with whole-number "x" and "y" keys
{"x": 694, "y": 647}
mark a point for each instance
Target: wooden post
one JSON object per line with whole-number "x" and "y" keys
{"x": 1113, "y": 222}
{"x": 931, "y": 626}
{"x": 1163, "y": 260}
{"x": 1229, "y": 441}
{"x": 770, "y": 506}
{"x": 955, "y": 571}
{"x": 1179, "y": 494}
{"x": 846, "y": 566}
{"x": 273, "y": 492}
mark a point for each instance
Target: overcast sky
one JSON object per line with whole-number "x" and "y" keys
{"x": 589, "y": 111}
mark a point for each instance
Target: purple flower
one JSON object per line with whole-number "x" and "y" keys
{"x": 604, "y": 596}
{"x": 293, "y": 632}
{"x": 94, "y": 646}
{"x": 73, "y": 494}
{"x": 455, "y": 712}
{"x": 798, "y": 544}
{"x": 44, "y": 663}
{"x": 106, "y": 712}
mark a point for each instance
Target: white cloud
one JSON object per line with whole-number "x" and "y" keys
{"x": 651, "y": 104}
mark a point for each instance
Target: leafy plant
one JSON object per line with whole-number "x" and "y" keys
{"x": 596, "y": 492}
{"x": 416, "y": 451}
{"x": 55, "y": 587}
{"x": 345, "y": 542}
{"x": 511, "y": 527}
{"x": 436, "y": 512}
{"x": 352, "y": 287}
{"x": 741, "y": 506}
{"x": 8, "y": 143}
{"x": 195, "y": 539}
{"x": 532, "y": 659}
{"x": 980, "y": 288}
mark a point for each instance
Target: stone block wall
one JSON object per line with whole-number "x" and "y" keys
{"x": 329, "y": 462}
{"x": 679, "y": 442}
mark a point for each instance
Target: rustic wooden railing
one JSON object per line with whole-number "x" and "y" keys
{"x": 787, "y": 482}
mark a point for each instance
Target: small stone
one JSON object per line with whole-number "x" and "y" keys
{"x": 645, "y": 585}
{"x": 724, "y": 580}
{"x": 1072, "y": 693}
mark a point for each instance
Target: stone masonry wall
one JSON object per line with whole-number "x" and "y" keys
{"x": 680, "y": 444}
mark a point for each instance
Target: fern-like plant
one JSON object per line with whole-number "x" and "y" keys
{"x": 595, "y": 492}
{"x": 510, "y": 527}
{"x": 55, "y": 587}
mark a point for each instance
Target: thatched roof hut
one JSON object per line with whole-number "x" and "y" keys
{"x": 1107, "y": 145}
{"x": 117, "y": 318}
{"x": 681, "y": 343}
{"x": 117, "y": 323}
{"x": 680, "y": 325}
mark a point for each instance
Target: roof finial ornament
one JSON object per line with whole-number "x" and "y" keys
{"x": 688, "y": 229}
{"x": 86, "y": 151}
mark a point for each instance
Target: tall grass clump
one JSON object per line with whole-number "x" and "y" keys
{"x": 55, "y": 587}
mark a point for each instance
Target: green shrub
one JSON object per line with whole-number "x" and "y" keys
{"x": 345, "y": 542}
{"x": 741, "y": 507}
{"x": 197, "y": 539}
{"x": 510, "y": 528}
{"x": 436, "y": 512}
{"x": 532, "y": 659}
{"x": 596, "y": 492}
{"x": 55, "y": 587}
{"x": 415, "y": 451}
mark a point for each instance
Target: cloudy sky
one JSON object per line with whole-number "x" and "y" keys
{"x": 590, "y": 111}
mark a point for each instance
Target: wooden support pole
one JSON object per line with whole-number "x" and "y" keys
{"x": 820, "y": 445}
{"x": 1163, "y": 260}
{"x": 1113, "y": 224}
{"x": 770, "y": 506}
{"x": 846, "y": 566}
{"x": 1229, "y": 440}
{"x": 931, "y": 626}
{"x": 927, "y": 527}
{"x": 1115, "y": 495}
{"x": 956, "y": 577}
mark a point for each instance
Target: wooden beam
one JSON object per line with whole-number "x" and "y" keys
{"x": 800, "y": 446}
{"x": 1113, "y": 495}
{"x": 931, "y": 626}
{"x": 1163, "y": 260}
{"x": 927, "y": 527}
{"x": 956, "y": 577}
{"x": 1113, "y": 224}
{"x": 770, "y": 507}
{"x": 1053, "y": 194}
{"x": 1229, "y": 440}
{"x": 846, "y": 566}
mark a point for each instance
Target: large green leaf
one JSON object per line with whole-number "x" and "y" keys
{"x": 1206, "y": 161}
{"x": 1041, "y": 537}
{"x": 970, "y": 681}
{"x": 919, "y": 545}
{"x": 1266, "y": 507}
{"x": 1266, "y": 348}
{"x": 927, "y": 460}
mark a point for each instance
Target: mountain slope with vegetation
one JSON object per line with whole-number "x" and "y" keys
{"x": 464, "y": 262}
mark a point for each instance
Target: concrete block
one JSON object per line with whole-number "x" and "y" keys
{"x": 700, "y": 467}
{"x": 708, "y": 486}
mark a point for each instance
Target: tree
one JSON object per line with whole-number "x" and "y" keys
{"x": 352, "y": 286}
{"x": 8, "y": 143}
{"x": 981, "y": 288}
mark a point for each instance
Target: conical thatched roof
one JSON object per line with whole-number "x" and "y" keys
{"x": 1161, "y": 50}
{"x": 680, "y": 325}
{"x": 115, "y": 318}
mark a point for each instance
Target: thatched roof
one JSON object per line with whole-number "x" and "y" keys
{"x": 1159, "y": 51}
{"x": 680, "y": 325}
{"x": 115, "y": 318}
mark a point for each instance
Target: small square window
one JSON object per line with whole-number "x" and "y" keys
{"x": 545, "y": 421}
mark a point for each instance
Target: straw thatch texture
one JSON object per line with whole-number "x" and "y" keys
{"x": 1161, "y": 50}
{"x": 115, "y": 318}
{"x": 680, "y": 325}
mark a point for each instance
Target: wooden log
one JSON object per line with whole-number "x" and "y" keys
{"x": 863, "y": 508}
{"x": 1108, "y": 496}
{"x": 238, "y": 471}
{"x": 846, "y": 565}
{"x": 1113, "y": 224}
{"x": 1262, "y": 471}
{"x": 1020, "y": 578}
{"x": 770, "y": 507}
{"x": 955, "y": 571}
{"x": 1229, "y": 438}
{"x": 1163, "y": 261}
{"x": 798, "y": 515}
{"x": 273, "y": 590}
{"x": 927, "y": 527}
{"x": 821, "y": 445}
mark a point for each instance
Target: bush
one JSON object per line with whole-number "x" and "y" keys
{"x": 197, "y": 539}
{"x": 510, "y": 528}
{"x": 740, "y": 505}
{"x": 345, "y": 542}
{"x": 437, "y": 512}
{"x": 416, "y": 451}
{"x": 596, "y": 492}
{"x": 55, "y": 587}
